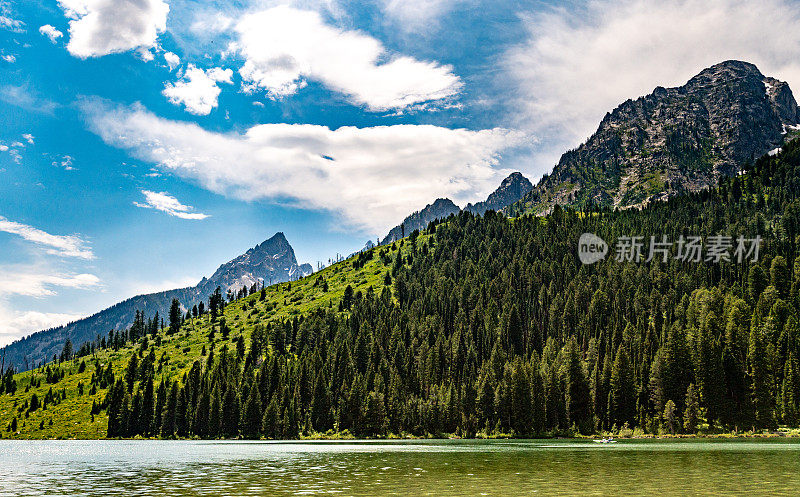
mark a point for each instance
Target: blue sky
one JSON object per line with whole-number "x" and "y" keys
{"x": 144, "y": 143}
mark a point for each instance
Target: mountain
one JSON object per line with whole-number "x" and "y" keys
{"x": 272, "y": 261}
{"x": 673, "y": 140}
{"x": 427, "y": 339}
{"x": 513, "y": 188}
{"x": 440, "y": 209}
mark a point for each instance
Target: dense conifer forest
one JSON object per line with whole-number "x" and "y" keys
{"x": 481, "y": 326}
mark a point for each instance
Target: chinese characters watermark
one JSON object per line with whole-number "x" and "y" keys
{"x": 713, "y": 249}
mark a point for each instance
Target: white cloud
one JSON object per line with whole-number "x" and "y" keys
{"x": 7, "y": 22}
{"x": 28, "y": 138}
{"x": 102, "y": 27}
{"x": 8, "y": 58}
{"x": 172, "y": 60}
{"x": 164, "y": 202}
{"x": 576, "y": 66}
{"x": 283, "y": 47}
{"x": 35, "y": 281}
{"x": 416, "y": 15}
{"x": 50, "y": 32}
{"x": 14, "y": 281}
{"x": 3, "y": 148}
{"x": 197, "y": 89}
{"x": 26, "y": 98}
{"x": 63, "y": 245}
{"x": 371, "y": 177}
{"x": 65, "y": 163}
{"x": 16, "y": 324}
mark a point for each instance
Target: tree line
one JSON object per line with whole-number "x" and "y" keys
{"x": 490, "y": 326}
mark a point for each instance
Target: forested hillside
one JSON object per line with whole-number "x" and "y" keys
{"x": 477, "y": 326}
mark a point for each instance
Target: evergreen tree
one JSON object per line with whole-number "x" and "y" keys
{"x": 691, "y": 415}
{"x": 175, "y": 317}
{"x": 761, "y": 380}
{"x": 169, "y": 416}
{"x": 251, "y": 415}
{"x": 622, "y": 395}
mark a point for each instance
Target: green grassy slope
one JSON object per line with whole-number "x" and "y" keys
{"x": 175, "y": 354}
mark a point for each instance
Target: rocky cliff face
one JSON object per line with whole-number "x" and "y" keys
{"x": 513, "y": 188}
{"x": 673, "y": 140}
{"x": 440, "y": 209}
{"x": 272, "y": 261}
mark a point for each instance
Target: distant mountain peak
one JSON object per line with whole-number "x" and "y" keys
{"x": 511, "y": 189}
{"x": 271, "y": 261}
{"x": 439, "y": 209}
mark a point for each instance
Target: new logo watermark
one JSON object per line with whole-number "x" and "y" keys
{"x": 591, "y": 248}
{"x": 714, "y": 249}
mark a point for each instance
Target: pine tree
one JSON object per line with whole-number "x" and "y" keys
{"x": 230, "y": 412}
{"x": 670, "y": 420}
{"x": 576, "y": 388}
{"x": 181, "y": 415}
{"x": 215, "y": 414}
{"x": 790, "y": 392}
{"x": 175, "y": 317}
{"x": 269, "y": 423}
{"x": 116, "y": 418}
{"x": 622, "y": 395}
{"x": 251, "y": 416}
{"x": 756, "y": 282}
{"x": 761, "y": 380}
{"x": 691, "y": 415}
{"x": 169, "y": 416}
{"x": 321, "y": 419}
{"x": 148, "y": 423}
{"x": 131, "y": 372}
{"x": 779, "y": 276}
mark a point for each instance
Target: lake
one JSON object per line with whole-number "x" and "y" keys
{"x": 420, "y": 467}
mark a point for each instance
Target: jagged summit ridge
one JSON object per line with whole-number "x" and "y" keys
{"x": 511, "y": 189}
{"x": 272, "y": 261}
{"x": 672, "y": 141}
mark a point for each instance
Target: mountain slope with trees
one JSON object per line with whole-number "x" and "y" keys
{"x": 477, "y": 326}
{"x": 271, "y": 261}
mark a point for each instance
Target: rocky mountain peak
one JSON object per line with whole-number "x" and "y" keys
{"x": 439, "y": 209}
{"x": 514, "y": 187}
{"x": 672, "y": 140}
{"x": 270, "y": 261}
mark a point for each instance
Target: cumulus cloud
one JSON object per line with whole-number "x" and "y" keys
{"x": 573, "y": 68}
{"x": 164, "y": 202}
{"x": 28, "y": 137}
{"x": 31, "y": 283}
{"x": 8, "y": 58}
{"x": 197, "y": 90}
{"x": 371, "y": 177}
{"x": 102, "y": 27}
{"x": 63, "y": 245}
{"x": 50, "y": 32}
{"x": 16, "y": 324}
{"x": 283, "y": 47}
{"x": 172, "y": 60}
